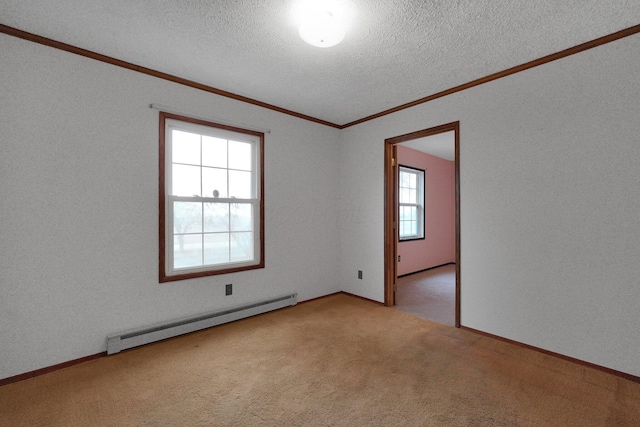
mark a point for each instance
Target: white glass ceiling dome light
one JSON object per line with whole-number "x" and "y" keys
{"x": 321, "y": 23}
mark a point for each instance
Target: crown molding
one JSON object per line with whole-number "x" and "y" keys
{"x": 169, "y": 77}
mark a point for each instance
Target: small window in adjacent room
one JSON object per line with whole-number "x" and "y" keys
{"x": 211, "y": 205}
{"x": 410, "y": 203}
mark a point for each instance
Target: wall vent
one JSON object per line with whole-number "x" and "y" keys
{"x": 137, "y": 337}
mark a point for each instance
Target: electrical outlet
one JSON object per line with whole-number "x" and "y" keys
{"x": 228, "y": 289}
{"x": 360, "y": 274}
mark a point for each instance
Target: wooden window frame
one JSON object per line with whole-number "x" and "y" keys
{"x": 164, "y": 275}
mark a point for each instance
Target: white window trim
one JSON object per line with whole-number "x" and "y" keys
{"x": 420, "y": 190}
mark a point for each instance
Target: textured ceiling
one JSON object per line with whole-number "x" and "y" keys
{"x": 395, "y": 51}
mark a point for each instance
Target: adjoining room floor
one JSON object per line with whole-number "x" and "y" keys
{"x": 430, "y": 294}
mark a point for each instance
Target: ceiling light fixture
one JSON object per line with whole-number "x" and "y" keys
{"x": 321, "y": 24}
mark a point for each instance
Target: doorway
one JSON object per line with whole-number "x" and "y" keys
{"x": 392, "y": 222}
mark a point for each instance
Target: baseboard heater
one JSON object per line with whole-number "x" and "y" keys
{"x": 137, "y": 337}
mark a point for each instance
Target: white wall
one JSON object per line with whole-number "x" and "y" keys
{"x": 550, "y": 204}
{"x": 79, "y": 206}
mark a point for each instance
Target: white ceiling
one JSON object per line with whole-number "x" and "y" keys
{"x": 395, "y": 51}
{"x": 440, "y": 145}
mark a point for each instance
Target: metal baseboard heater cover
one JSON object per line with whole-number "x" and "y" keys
{"x": 137, "y": 337}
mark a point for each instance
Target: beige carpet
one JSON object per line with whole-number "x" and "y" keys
{"x": 337, "y": 361}
{"x": 430, "y": 294}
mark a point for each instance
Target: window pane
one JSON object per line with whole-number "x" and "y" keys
{"x": 240, "y": 185}
{"x": 240, "y": 155}
{"x": 408, "y": 228}
{"x": 404, "y": 195}
{"x": 187, "y": 217}
{"x": 216, "y": 217}
{"x": 404, "y": 213}
{"x": 185, "y": 181}
{"x": 187, "y": 250}
{"x": 404, "y": 229}
{"x": 241, "y": 217}
{"x": 185, "y": 147}
{"x": 241, "y": 246}
{"x": 404, "y": 179}
{"x": 216, "y": 248}
{"x": 214, "y": 182}
{"x": 412, "y": 196}
{"x": 214, "y": 152}
{"x": 407, "y": 196}
{"x": 412, "y": 180}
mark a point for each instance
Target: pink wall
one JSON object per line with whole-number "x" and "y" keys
{"x": 438, "y": 246}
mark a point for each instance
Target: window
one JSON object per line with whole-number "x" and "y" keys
{"x": 211, "y": 206}
{"x": 411, "y": 203}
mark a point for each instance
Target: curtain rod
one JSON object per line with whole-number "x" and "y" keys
{"x": 161, "y": 107}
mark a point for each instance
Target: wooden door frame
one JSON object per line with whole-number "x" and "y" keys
{"x": 391, "y": 213}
